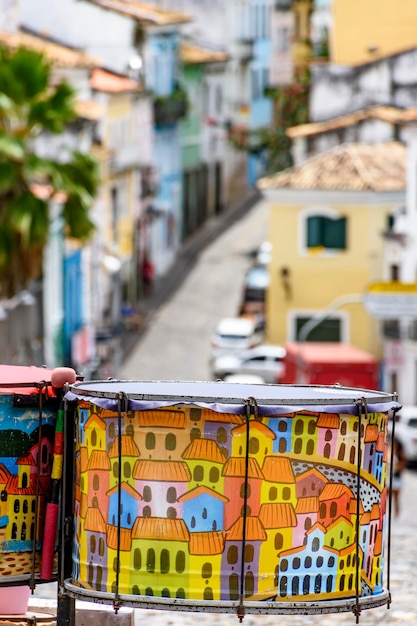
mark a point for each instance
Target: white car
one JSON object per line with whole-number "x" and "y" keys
{"x": 266, "y": 361}
{"x": 234, "y": 335}
{"x": 244, "y": 379}
{"x": 406, "y": 432}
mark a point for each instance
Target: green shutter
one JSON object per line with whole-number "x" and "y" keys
{"x": 334, "y": 235}
{"x": 314, "y": 231}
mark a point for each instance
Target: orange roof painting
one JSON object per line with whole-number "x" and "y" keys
{"x": 26, "y": 459}
{"x": 333, "y": 491}
{"x": 161, "y": 419}
{"x": 198, "y": 491}
{"x": 307, "y": 505}
{"x": 127, "y": 489}
{"x": 83, "y": 458}
{"x": 311, "y": 472}
{"x": 94, "y": 419}
{"x": 205, "y": 544}
{"x": 32, "y": 489}
{"x": 375, "y": 511}
{"x": 225, "y": 418}
{"x": 129, "y": 448}
{"x": 4, "y": 473}
{"x": 236, "y": 467}
{"x": 278, "y": 470}
{"x": 98, "y": 460}
{"x": 113, "y": 538}
{"x": 204, "y": 450}
{"x": 353, "y": 507}
{"x": 163, "y": 471}
{"x": 254, "y": 530}
{"x": 328, "y": 420}
{"x": 371, "y": 433}
{"x": 94, "y": 521}
{"x": 254, "y": 425}
{"x": 278, "y": 515}
{"x": 160, "y": 528}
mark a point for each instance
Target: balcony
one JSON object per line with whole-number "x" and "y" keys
{"x": 245, "y": 50}
{"x": 170, "y": 109}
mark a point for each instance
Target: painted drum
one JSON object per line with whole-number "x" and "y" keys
{"x": 28, "y": 412}
{"x": 221, "y": 497}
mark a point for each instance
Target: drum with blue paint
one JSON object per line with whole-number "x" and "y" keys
{"x": 28, "y": 410}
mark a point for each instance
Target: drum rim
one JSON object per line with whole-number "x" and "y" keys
{"x": 230, "y": 606}
{"x": 84, "y": 388}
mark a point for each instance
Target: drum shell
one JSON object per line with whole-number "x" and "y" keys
{"x": 215, "y": 507}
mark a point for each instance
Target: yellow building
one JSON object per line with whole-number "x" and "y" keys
{"x": 365, "y": 30}
{"x": 326, "y": 225}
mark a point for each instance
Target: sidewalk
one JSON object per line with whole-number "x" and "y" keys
{"x": 166, "y": 285}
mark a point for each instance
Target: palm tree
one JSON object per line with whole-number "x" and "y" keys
{"x": 30, "y": 104}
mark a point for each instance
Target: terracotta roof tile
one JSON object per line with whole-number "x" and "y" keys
{"x": 391, "y": 114}
{"x": 55, "y": 53}
{"x": 194, "y": 54}
{"x": 32, "y": 489}
{"x": 160, "y": 528}
{"x": 103, "y": 80}
{"x": 254, "y": 530}
{"x": 143, "y": 12}
{"x": 203, "y": 449}
{"x": 209, "y": 543}
{"x": 278, "y": 469}
{"x": 89, "y": 110}
{"x": 348, "y": 167}
{"x": 278, "y": 515}
{"x": 165, "y": 471}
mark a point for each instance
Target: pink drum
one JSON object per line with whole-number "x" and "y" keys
{"x": 223, "y": 497}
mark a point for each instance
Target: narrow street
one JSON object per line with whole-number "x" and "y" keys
{"x": 176, "y": 344}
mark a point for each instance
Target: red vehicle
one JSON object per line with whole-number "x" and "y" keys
{"x": 323, "y": 363}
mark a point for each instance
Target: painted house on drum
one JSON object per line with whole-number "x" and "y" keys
{"x": 177, "y": 477}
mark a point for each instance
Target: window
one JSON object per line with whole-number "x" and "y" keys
{"x": 324, "y": 232}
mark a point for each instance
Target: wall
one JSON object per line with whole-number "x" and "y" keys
{"x": 317, "y": 279}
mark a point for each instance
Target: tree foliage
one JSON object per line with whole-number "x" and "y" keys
{"x": 290, "y": 109}
{"x": 30, "y": 104}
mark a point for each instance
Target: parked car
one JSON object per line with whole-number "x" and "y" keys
{"x": 234, "y": 335}
{"x": 244, "y": 379}
{"x": 263, "y": 253}
{"x": 266, "y": 361}
{"x": 406, "y": 432}
{"x": 256, "y": 284}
